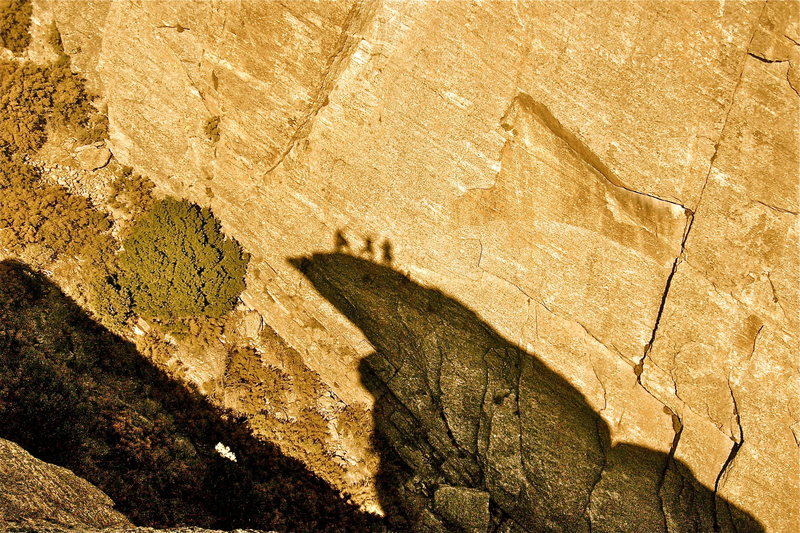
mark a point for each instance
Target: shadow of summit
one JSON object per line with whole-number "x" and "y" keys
{"x": 475, "y": 434}
{"x": 74, "y": 394}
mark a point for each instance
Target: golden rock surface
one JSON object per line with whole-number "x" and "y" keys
{"x": 611, "y": 185}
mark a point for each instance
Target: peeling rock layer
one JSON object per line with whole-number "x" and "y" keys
{"x": 610, "y": 185}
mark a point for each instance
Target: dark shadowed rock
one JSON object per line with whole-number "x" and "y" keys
{"x": 458, "y": 405}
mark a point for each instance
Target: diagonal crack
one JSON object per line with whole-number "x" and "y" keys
{"x": 737, "y": 445}
{"x": 677, "y": 426}
{"x": 360, "y": 14}
{"x": 580, "y": 148}
{"x": 765, "y": 59}
{"x": 789, "y": 80}
{"x": 639, "y": 368}
{"x": 778, "y": 209}
{"x": 604, "y": 448}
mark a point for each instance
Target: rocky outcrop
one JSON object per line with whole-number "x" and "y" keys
{"x": 36, "y": 493}
{"x": 92, "y": 157}
{"x": 474, "y": 419}
{"x": 611, "y": 187}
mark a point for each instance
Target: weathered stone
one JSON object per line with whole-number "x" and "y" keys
{"x": 611, "y": 185}
{"x": 466, "y": 508}
{"x": 37, "y": 492}
{"x": 462, "y": 406}
{"x": 92, "y": 157}
{"x": 726, "y": 345}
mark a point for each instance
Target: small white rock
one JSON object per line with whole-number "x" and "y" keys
{"x": 225, "y": 452}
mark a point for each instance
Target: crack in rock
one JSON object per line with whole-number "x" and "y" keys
{"x": 735, "y": 448}
{"x": 574, "y": 143}
{"x": 677, "y": 426}
{"x": 360, "y": 14}
{"x": 766, "y": 60}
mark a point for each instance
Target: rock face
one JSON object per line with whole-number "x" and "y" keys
{"x": 35, "y": 492}
{"x": 469, "y": 413}
{"x": 611, "y": 187}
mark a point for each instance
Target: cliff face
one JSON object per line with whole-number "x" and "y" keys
{"x": 612, "y": 187}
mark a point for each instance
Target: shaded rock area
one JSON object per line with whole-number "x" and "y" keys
{"x": 464, "y": 414}
{"x": 468, "y": 509}
{"x": 49, "y": 528}
{"x": 33, "y": 490}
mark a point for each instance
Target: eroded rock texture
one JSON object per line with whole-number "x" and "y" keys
{"x": 39, "y": 493}
{"x": 610, "y": 186}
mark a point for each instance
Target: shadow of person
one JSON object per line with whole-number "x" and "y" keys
{"x": 74, "y": 394}
{"x": 477, "y": 435}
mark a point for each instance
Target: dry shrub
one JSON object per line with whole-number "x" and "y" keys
{"x": 34, "y": 212}
{"x": 34, "y": 96}
{"x": 15, "y": 19}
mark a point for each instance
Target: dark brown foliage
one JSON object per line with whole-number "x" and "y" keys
{"x": 76, "y": 395}
{"x": 33, "y": 96}
{"x": 131, "y": 192}
{"x": 36, "y": 213}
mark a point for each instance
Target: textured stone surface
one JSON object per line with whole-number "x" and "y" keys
{"x": 467, "y": 508}
{"x": 464, "y": 407}
{"x": 32, "y": 491}
{"x": 91, "y": 157}
{"x": 726, "y": 346}
{"x": 612, "y": 186}
{"x": 43, "y": 527}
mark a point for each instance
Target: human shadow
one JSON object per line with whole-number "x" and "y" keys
{"x": 475, "y": 434}
{"x": 74, "y": 394}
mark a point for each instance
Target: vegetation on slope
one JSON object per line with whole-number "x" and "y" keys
{"x": 15, "y": 18}
{"x": 34, "y": 213}
{"x": 64, "y": 232}
{"x": 33, "y": 97}
{"x": 177, "y": 263}
{"x": 77, "y": 395}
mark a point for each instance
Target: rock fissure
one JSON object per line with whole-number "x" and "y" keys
{"x": 794, "y": 41}
{"x": 766, "y": 60}
{"x": 604, "y": 448}
{"x": 755, "y": 341}
{"x": 691, "y": 215}
{"x": 611, "y": 348}
{"x": 356, "y": 19}
{"x": 735, "y": 448}
{"x": 639, "y": 368}
{"x": 775, "y": 297}
{"x": 796, "y": 91}
{"x": 677, "y": 426}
